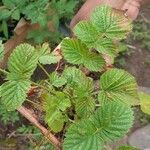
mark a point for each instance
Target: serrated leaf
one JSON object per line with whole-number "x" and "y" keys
{"x": 1, "y": 50}
{"x": 16, "y": 14}
{"x": 145, "y": 102}
{"x": 118, "y": 85}
{"x": 57, "y": 80}
{"x": 126, "y": 147}
{"x": 85, "y": 106}
{"x": 5, "y": 28}
{"x": 94, "y": 62}
{"x": 75, "y": 52}
{"x": 49, "y": 59}
{"x": 78, "y": 81}
{"x": 4, "y": 14}
{"x": 14, "y": 93}
{"x": 8, "y": 3}
{"x": 43, "y": 50}
{"x": 110, "y": 22}
{"x": 22, "y": 62}
{"x": 54, "y": 106}
{"x": 110, "y": 122}
{"x": 88, "y": 33}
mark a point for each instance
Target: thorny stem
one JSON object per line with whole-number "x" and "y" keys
{"x": 43, "y": 69}
{"x": 28, "y": 115}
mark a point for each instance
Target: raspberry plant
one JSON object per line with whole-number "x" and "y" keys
{"x": 87, "y": 116}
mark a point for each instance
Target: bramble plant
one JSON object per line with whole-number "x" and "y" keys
{"x": 88, "y": 116}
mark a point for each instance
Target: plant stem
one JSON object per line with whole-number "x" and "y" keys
{"x": 3, "y": 71}
{"x": 43, "y": 87}
{"x": 35, "y": 104}
{"x": 44, "y": 70}
{"x": 28, "y": 115}
{"x": 39, "y": 85}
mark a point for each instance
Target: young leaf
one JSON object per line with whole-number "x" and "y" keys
{"x": 4, "y": 14}
{"x": 110, "y": 122}
{"x": 78, "y": 81}
{"x": 145, "y": 102}
{"x": 54, "y": 106}
{"x": 110, "y": 22}
{"x": 75, "y": 52}
{"x": 16, "y": 14}
{"x": 49, "y": 59}
{"x": 118, "y": 85}
{"x": 23, "y": 61}
{"x": 127, "y": 147}
{"x": 88, "y": 33}
{"x": 14, "y": 93}
{"x": 57, "y": 80}
{"x": 85, "y": 106}
{"x": 1, "y": 50}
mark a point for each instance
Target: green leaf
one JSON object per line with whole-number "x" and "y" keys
{"x": 118, "y": 85}
{"x": 85, "y": 106}
{"x": 43, "y": 50}
{"x": 75, "y": 52}
{"x": 14, "y": 93}
{"x": 1, "y": 50}
{"x": 88, "y": 33}
{"x": 5, "y": 28}
{"x": 110, "y": 22}
{"x": 49, "y": 59}
{"x": 22, "y": 62}
{"x": 4, "y": 14}
{"x": 8, "y": 3}
{"x": 57, "y": 80}
{"x": 109, "y": 123}
{"x": 16, "y": 14}
{"x": 145, "y": 102}
{"x": 126, "y": 147}
{"x": 78, "y": 81}
{"x": 54, "y": 107}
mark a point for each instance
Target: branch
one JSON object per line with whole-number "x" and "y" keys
{"x": 28, "y": 115}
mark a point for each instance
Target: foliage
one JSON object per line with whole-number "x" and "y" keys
{"x": 100, "y": 127}
{"x": 126, "y": 147}
{"x": 118, "y": 85}
{"x": 43, "y": 12}
{"x": 8, "y": 117}
{"x": 145, "y": 102}
{"x": 1, "y": 50}
{"x": 68, "y": 98}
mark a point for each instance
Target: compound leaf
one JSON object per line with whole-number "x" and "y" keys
{"x": 85, "y": 106}
{"x": 110, "y": 122}
{"x": 54, "y": 107}
{"x": 75, "y": 52}
{"x": 23, "y": 61}
{"x": 88, "y": 34}
{"x": 57, "y": 80}
{"x": 14, "y": 93}
{"x": 110, "y": 22}
{"x": 118, "y": 85}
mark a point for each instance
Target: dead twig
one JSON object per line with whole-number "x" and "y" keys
{"x": 28, "y": 115}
